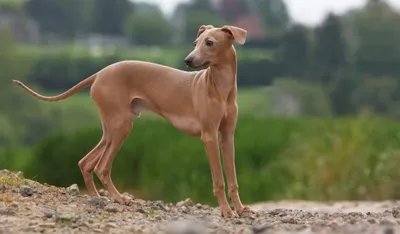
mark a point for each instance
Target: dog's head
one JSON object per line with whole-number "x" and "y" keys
{"x": 212, "y": 43}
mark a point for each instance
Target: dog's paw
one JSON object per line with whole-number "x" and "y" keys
{"x": 124, "y": 200}
{"x": 105, "y": 198}
{"x": 227, "y": 212}
{"x": 245, "y": 211}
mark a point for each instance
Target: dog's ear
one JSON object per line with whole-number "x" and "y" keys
{"x": 204, "y": 28}
{"x": 238, "y": 34}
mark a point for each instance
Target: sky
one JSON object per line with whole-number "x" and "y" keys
{"x": 308, "y": 12}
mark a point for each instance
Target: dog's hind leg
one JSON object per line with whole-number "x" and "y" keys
{"x": 118, "y": 128}
{"x": 88, "y": 163}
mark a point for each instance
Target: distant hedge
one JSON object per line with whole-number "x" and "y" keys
{"x": 276, "y": 158}
{"x": 61, "y": 69}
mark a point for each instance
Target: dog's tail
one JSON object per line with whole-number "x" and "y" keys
{"x": 81, "y": 85}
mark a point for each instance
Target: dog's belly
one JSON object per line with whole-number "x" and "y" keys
{"x": 185, "y": 124}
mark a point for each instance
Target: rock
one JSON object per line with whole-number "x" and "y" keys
{"x": 111, "y": 208}
{"x": 387, "y": 221}
{"x": 238, "y": 221}
{"x": 97, "y": 202}
{"x": 3, "y": 188}
{"x": 260, "y": 228}
{"x": 186, "y": 203}
{"x": 20, "y": 174}
{"x": 66, "y": 218}
{"x": 48, "y": 214}
{"x": 73, "y": 189}
{"x": 290, "y": 220}
{"x": 25, "y": 191}
{"x": 7, "y": 211}
{"x": 111, "y": 225}
{"x": 140, "y": 210}
{"x": 371, "y": 220}
{"x": 396, "y": 211}
{"x": 388, "y": 231}
{"x": 103, "y": 193}
{"x": 222, "y": 231}
{"x": 185, "y": 226}
{"x": 5, "y": 172}
{"x": 14, "y": 205}
{"x": 184, "y": 209}
{"x": 47, "y": 225}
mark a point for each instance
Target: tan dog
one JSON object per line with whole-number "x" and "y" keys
{"x": 200, "y": 103}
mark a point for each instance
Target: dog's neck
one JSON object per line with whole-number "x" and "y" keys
{"x": 223, "y": 75}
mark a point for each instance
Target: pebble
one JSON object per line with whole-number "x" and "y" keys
{"x": 14, "y": 205}
{"x": 103, "y": 193}
{"x": 7, "y": 211}
{"x": 5, "y": 172}
{"x": 97, "y": 202}
{"x": 396, "y": 211}
{"x": 3, "y": 188}
{"x": 73, "y": 189}
{"x": 111, "y": 208}
{"x": 47, "y": 225}
{"x": 388, "y": 231}
{"x": 48, "y": 214}
{"x": 33, "y": 214}
{"x": 186, "y": 202}
{"x": 260, "y": 228}
{"x": 25, "y": 191}
{"x": 20, "y": 174}
{"x": 184, "y": 227}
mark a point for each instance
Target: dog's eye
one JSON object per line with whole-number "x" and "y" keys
{"x": 209, "y": 43}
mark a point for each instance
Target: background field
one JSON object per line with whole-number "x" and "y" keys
{"x": 318, "y": 104}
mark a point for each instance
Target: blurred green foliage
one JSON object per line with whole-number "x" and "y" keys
{"x": 341, "y": 68}
{"x": 292, "y": 158}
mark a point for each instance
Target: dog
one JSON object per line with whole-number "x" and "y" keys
{"x": 200, "y": 103}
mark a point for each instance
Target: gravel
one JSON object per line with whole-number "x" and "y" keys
{"x": 27, "y": 206}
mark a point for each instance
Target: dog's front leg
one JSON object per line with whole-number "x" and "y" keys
{"x": 228, "y": 155}
{"x": 227, "y": 143}
{"x": 210, "y": 141}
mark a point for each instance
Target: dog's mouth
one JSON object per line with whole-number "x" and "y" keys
{"x": 204, "y": 65}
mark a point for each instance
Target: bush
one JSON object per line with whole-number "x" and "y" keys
{"x": 59, "y": 69}
{"x": 177, "y": 167}
{"x": 276, "y": 158}
{"x": 346, "y": 159}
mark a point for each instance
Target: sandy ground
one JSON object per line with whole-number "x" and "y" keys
{"x": 29, "y": 207}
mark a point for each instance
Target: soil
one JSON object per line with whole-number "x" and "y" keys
{"x": 27, "y": 206}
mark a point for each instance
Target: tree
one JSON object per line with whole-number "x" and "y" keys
{"x": 147, "y": 26}
{"x": 64, "y": 18}
{"x": 200, "y": 5}
{"x": 194, "y": 19}
{"x": 231, "y": 9}
{"x": 330, "y": 49}
{"x": 374, "y": 34}
{"x": 21, "y": 118}
{"x": 197, "y": 13}
{"x": 295, "y": 52}
{"x": 274, "y": 14}
{"x": 109, "y": 16}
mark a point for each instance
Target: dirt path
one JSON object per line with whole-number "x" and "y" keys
{"x": 29, "y": 207}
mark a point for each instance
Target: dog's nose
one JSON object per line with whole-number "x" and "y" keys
{"x": 188, "y": 61}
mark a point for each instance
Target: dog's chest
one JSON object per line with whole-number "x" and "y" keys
{"x": 188, "y": 125}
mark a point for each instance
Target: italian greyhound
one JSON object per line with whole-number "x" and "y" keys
{"x": 199, "y": 103}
